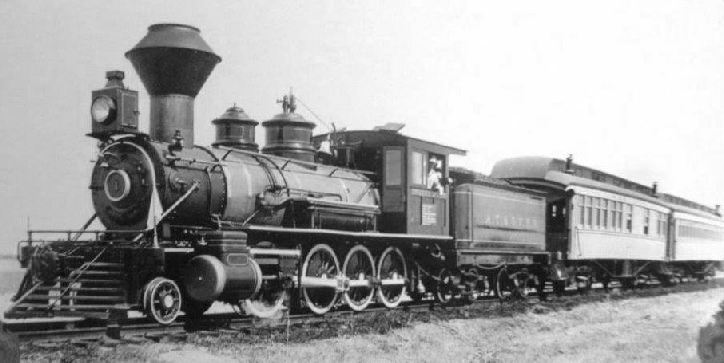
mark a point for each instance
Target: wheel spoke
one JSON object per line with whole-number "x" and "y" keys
{"x": 443, "y": 291}
{"x": 329, "y": 270}
{"x": 157, "y": 292}
{"x": 391, "y": 266}
{"x": 320, "y": 262}
{"x": 358, "y": 265}
{"x": 508, "y": 286}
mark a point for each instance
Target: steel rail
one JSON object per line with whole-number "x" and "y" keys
{"x": 48, "y": 331}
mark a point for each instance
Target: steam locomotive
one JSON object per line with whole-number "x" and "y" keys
{"x": 341, "y": 219}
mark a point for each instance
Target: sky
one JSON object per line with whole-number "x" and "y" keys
{"x": 633, "y": 88}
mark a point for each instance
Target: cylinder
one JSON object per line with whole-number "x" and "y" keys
{"x": 205, "y": 278}
{"x": 237, "y": 278}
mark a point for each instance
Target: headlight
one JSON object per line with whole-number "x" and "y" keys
{"x": 103, "y": 109}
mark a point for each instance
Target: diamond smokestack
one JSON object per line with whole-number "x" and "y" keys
{"x": 173, "y": 62}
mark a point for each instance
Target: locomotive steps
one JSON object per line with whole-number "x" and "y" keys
{"x": 92, "y": 290}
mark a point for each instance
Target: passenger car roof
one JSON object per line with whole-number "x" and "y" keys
{"x": 551, "y": 173}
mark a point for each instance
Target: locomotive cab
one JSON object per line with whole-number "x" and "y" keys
{"x": 411, "y": 174}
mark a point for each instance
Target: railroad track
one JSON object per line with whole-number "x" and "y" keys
{"x": 61, "y": 332}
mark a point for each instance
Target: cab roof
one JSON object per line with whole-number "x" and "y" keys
{"x": 390, "y": 138}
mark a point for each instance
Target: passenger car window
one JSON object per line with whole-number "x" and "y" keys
{"x": 647, "y": 218}
{"x": 589, "y": 212}
{"x": 629, "y": 217}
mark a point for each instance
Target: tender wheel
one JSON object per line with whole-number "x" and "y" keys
{"x": 507, "y": 286}
{"x": 320, "y": 262}
{"x": 359, "y": 267}
{"x": 504, "y": 286}
{"x": 488, "y": 285}
{"x": 162, "y": 300}
{"x": 524, "y": 282}
{"x": 444, "y": 287}
{"x": 392, "y": 273}
{"x": 475, "y": 285}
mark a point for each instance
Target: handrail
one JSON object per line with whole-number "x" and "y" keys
{"x": 73, "y": 235}
{"x": 170, "y": 209}
{"x": 87, "y": 231}
{"x": 86, "y": 225}
{"x": 294, "y": 161}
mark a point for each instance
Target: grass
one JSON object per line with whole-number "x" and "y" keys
{"x": 263, "y": 338}
{"x": 594, "y": 329}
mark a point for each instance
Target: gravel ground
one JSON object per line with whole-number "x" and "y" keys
{"x": 661, "y": 329}
{"x": 658, "y": 329}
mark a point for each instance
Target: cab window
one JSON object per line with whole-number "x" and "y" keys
{"x": 393, "y": 167}
{"x": 418, "y": 168}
